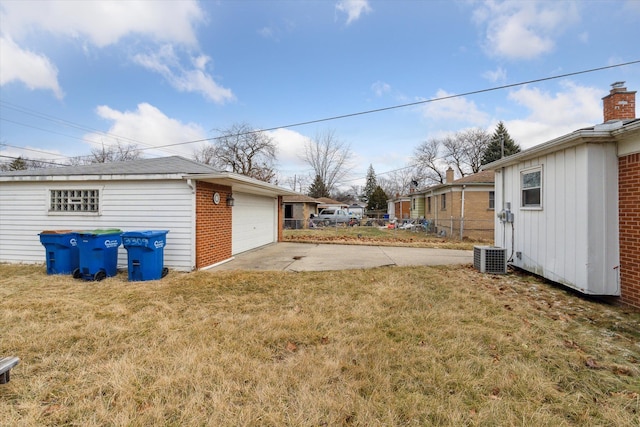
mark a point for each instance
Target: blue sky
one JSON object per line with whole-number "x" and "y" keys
{"x": 75, "y": 74}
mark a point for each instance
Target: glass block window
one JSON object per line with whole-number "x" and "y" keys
{"x": 75, "y": 201}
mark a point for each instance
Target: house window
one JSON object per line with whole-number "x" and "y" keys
{"x": 429, "y": 204}
{"x": 492, "y": 199}
{"x": 74, "y": 201}
{"x": 531, "y": 186}
{"x": 413, "y": 204}
{"x": 443, "y": 200}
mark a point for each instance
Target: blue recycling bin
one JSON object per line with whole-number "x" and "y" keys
{"x": 61, "y": 248}
{"x": 98, "y": 250}
{"x": 145, "y": 254}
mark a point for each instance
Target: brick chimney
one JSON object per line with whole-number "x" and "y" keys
{"x": 449, "y": 176}
{"x": 620, "y": 104}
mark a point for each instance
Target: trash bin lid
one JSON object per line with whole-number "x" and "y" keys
{"x": 56, "y": 231}
{"x": 144, "y": 233}
{"x": 101, "y": 231}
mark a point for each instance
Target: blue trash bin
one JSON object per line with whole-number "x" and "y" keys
{"x": 61, "y": 247}
{"x": 98, "y": 250}
{"x": 145, "y": 254}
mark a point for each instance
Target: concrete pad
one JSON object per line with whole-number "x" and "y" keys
{"x": 286, "y": 256}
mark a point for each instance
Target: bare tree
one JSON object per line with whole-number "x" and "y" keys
{"x": 462, "y": 150}
{"x": 205, "y": 154}
{"x": 242, "y": 149}
{"x": 429, "y": 161}
{"x": 473, "y": 143}
{"x": 114, "y": 153}
{"x": 328, "y": 157}
{"x": 297, "y": 183}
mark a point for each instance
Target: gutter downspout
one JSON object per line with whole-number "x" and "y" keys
{"x": 192, "y": 185}
{"x": 451, "y": 214}
{"x": 504, "y": 224}
{"x": 462, "y": 214}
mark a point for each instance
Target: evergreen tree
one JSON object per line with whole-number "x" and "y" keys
{"x": 494, "y": 150}
{"x": 371, "y": 184}
{"x": 378, "y": 200}
{"x": 318, "y": 189}
{"x": 18, "y": 164}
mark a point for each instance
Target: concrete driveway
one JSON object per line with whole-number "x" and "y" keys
{"x": 287, "y": 256}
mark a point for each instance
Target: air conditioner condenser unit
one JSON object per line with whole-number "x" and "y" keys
{"x": 490, "y": 259}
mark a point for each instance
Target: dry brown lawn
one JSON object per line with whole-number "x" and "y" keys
{"x": 377, "y": 236}
{"x": 382, "y": 347}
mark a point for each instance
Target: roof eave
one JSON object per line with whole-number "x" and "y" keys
{"x": 566, "y": 141}
{"x": 243, "y": 184}
{"x": 90, "y": 177}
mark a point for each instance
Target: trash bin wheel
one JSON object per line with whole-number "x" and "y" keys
{"x": 165, "y": 271}
{"x": 77, "y": 274}
{"x": 100, "y": 275}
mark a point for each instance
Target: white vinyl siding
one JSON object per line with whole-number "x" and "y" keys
{"x": 254, "y": 221}
{"x": 126, "y": 205}
{"x": 572, "y": 241}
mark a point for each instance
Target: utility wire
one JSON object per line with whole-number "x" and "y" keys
{"x": 394, "y": 107}
{"x": 412, "y": 104}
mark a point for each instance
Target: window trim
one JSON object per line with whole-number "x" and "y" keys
{"x": 97, "y": 212}
{"x": 524, "y": 172}
{"x": 492, "y": 201}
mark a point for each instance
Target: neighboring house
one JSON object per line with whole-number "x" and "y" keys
{"x": 356, "y": 209}
{"x": 462, "y": 208}
{"x": 417, "y": 206}
{"x": 298, "y": 210}
{"x": 575, "y": 203}
{"x": 211, "y": 216}
{"x": 399, "y": 207}
{"x": 327, "y": 203}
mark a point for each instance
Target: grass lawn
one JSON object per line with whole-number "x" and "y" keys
{"x": 381, "y": 347}
{"x": 377, "y": 236}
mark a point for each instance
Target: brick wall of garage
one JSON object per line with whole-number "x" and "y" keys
{"x": 213, "y": 225}
{"x": 629, "y": 217}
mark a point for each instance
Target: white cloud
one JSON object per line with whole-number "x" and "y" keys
{"x": 100, "y": 23}
{"x": 166, "y": 63}
{"x": 523, "y": 29}
{"x": 32, "y": 69}
{"x": 457, "y": 109}
{"x": 498, "y": 75}
{"x": 353, "y": 9}
{"x": 290, "y": 149}
{"x": 380, "y": 88}
{"x": 554, "y": 115}
{"x": 105, "y": 22}
{"x": 145, "y": 127}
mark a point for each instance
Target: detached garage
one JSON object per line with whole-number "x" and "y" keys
{"x": 210, "y": 215}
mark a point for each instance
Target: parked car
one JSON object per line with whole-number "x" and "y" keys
{"x": 336, "y": 216}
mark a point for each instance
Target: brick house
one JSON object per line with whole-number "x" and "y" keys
{"x": 575, "y": 204}
{"x": 211, "y": 216}
{"x": 462, "y": 208}
{"x": 399, "y": 207}
{"x": 297, "y": 210}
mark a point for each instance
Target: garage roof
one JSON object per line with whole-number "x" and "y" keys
{"x": 173, "y": 167}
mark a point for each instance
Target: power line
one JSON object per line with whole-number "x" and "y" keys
{"x": 413, "y": 104}
{"x": 378, "y": 110}
{"x": 67, "y": 123}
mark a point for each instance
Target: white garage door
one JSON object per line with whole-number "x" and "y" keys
{"x": 254, "y": 222}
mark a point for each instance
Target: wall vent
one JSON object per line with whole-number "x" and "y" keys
{"x": 490, "y": 259}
